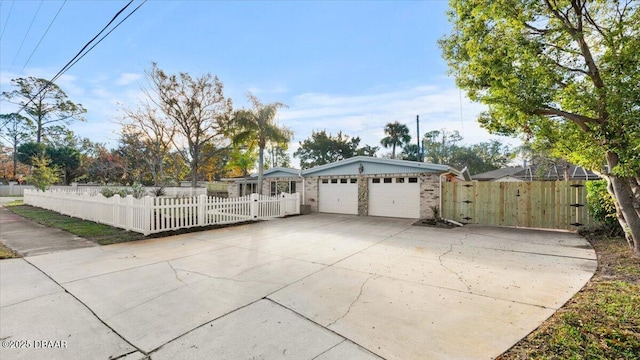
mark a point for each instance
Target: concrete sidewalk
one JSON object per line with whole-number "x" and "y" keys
{"x": 28, "y": 238}
{"x": 313, "y": 287}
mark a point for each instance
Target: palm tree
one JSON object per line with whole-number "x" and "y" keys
{"x": 257, "y": 126}
{"x": 397, "y": 135}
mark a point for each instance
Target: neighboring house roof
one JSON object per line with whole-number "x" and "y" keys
{"x": 497, "y": 174}
{"x": 371, "y": 166}
{"x": 533, "y": 172}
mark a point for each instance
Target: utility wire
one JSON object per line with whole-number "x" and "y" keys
{"x": 43, "y": 35}
{"x": 81, "y": 53}
{"x": 27, "y": 34}
{"x": 8, "y": 17}
{"x": 107, "y": 34}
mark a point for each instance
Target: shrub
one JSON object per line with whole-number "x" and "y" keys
{"x": 43, "y": 174}
{"x": 107, "y": 192}
{"x": 137, "y": 190}
{"x": 157, "y": 192}
{"x": 602, "y": 207}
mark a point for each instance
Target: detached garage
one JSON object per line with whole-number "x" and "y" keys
{"x": 368, "y": 186}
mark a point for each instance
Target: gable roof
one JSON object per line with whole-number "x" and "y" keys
{"x": 371, "y": 165}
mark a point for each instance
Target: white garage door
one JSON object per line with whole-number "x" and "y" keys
{"x": 394, "y": 197}
{"x": 338, "y": 196}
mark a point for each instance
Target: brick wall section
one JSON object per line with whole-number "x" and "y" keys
{"x": 363, "y": 196}
{"x": 429, "y": 194}
{"x": 233, "y": 189}
{"x": 311, "y": 190}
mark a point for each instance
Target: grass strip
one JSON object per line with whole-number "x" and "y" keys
{"x": 602, "y": 321}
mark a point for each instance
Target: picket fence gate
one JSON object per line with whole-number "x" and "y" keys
{"x": 150, "y": 215}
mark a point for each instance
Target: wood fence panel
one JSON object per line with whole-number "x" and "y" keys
{"x": 533, "y": 204}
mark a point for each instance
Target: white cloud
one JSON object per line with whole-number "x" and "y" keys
{"x": 128, "y": 78}
{"x": 365, "y": 115}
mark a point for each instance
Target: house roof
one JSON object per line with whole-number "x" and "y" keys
{"x": 269, "y": 173}
{"x": 371, "y": 165}
{"x": 533, "y": 172}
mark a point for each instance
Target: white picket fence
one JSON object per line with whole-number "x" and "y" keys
{"x": 18, "y": 190}
{"x": 156, "y": 214}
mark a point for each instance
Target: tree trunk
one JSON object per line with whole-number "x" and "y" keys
{"x": 194, "y": 172}
{"x": 260, "y": 168}
{"x": 15, "y": 160}
{"x": 623, "y": 195}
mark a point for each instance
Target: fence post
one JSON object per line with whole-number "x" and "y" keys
{"x": 129, "y": 212}
{"x": 253, "y": 199}
{"x": 283, "y": 204}
{"x": 202, "y": 208}
{"x": 148, "y": 214}
{"x": 297, "y": 208}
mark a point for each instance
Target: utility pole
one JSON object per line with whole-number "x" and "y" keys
{"x": 419, "y": 154}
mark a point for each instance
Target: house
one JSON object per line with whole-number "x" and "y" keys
{"x": 275, "y": 181}
{"x": 537, "y": 173}
{"x": 360, "y": 185}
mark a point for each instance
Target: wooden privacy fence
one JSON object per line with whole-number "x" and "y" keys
{"x": 156, "y": 214}
{"x": 534, "y": 204}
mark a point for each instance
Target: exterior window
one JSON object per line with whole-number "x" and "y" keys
{"x": 399, "y": 180}
{"x": 279, "y": 187}
{"x": 325, "y": 181}
{"x": 273, "y": 188}
{"x": 292, "y": 187}
{"x": 413, "y": 180}
{"x": 387, "y": 180}
{"x": 334, "y": 181}
{"x": 353, "y": 181}
{"x": 343, "y": 181}
{"x": 375, "y": 180}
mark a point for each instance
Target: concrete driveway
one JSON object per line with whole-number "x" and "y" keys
{"x": 307, "y": 287}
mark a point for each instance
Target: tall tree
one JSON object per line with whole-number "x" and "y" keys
{"x": 149, "y": 136}
{"x": 322, "y": 148}
{"x": 441, "y": 145}
{"x": 258, "y": 125}
{"x": 66, "y": 159}
{"x": 14, "y": 128}
{"x": 397, "y": 136}
{"x": 45, "y": 104}
{"x": 198, "y": 110}
{"x": 562, "y": 70}
{"x": 277, "y": 156}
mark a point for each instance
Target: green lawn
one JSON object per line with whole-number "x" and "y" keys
{"x": 99, "y": 233}
{"x": 601, "y": 322}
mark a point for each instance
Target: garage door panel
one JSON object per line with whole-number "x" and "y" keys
{"x": 338, "y": 197}
{"x": 398, "y": 198}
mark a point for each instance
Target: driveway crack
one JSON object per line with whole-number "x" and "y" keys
{"x": 440, "y": 259}
{"x": 354, "y": 301}
{"x": 175, "y": 272}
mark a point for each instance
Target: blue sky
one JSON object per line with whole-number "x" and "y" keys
{"x": 351, "y": 66}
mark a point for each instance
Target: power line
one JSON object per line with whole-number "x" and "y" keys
{"x": 107, "y": 34}
{"x": 82, "y": 52}
{"x": 43, "y": 35}
{"x": 8, "y": 17}
{"x": 28, "y": 31}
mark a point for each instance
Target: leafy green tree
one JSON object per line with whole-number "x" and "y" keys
{"x": 258, "y": 126}
{"x": 66, "y": 159}
{"x": 198, "y": 110}
{"x": 322, "y": 148}
{"x": 29, "y": 150}
{"x": 277, "y": 156}
{"x": 15, "y": 129}
{"x": 43, "y": 174}
{"x": 397, "y": 136}
{"x": 410, "y": 152}
{"x": 564, "y": 72}
{"x": 367, "y": 150}
{"x": 48, "y": 109}
{"x": 440, "y": 146}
